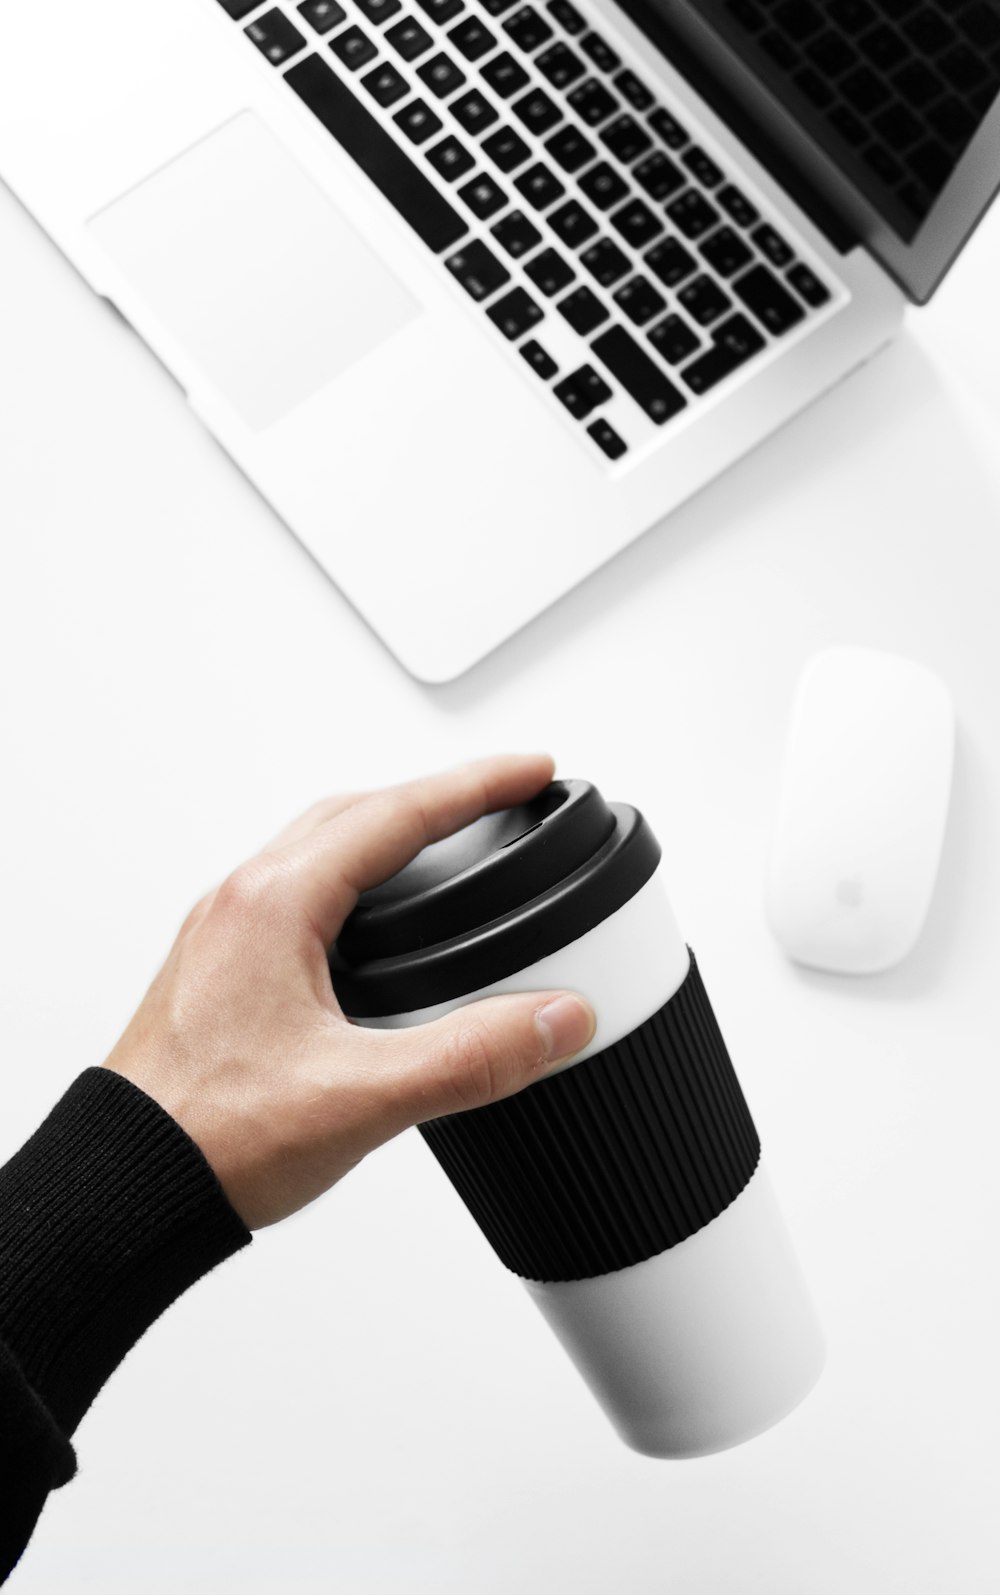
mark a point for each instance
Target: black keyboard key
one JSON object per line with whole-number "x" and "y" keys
{"x": 483, "y": 196}
{"x": 572, "y": 224}
{"x": 536, "y": 111}
{"x": 478, "y": 270}
{"x": 692, "y": 214}
{"x": 527, "y": 29}
{"x": 884, "y": 164}
{"x": 638, "y": 375}
{"x": 815, "y": 87}
{"x": 832, "y": 54}
{"x": 517, "y": 234}
{"x": 450, "y": 158}
{"x": 798, "y": 18}
{"x": 472, "y": 38}
{"x": 496, "y": 8}
{"x": 540, "y": 187}
{"x": 238, "y": 9}
{"x": 354, "y": 48}
{"x": 931, "y": 163}
{"x": 981, "y": 23}
{"x": 606, "y": 438}
{"x": 506, "y": 149}
{"x": 726, "y": 252}
{"x": 748, "y": 14}
{"x": 807, "y": 285}
{"x": 929, "y": 32}
{"x": 606, "y": 262}
{"x": 321, "y": 15}
{"x": 603, "y": 185}
{"x": 566, "y": 15}
{"x": 640, "y": 301}
{"x": 674, "y": 340}
{"x": 704, "y": 300}
{"x": 515, "y": 313}
{"x": 418, "y": 121}
{"x": 668, "y": 129}
{"x": 379, "y": 11}
{"x": 582, "y": 391}
{"x": 474, "y": 112}
{"x": 402, "y": 183}
{"x": 635, "y": 92}
{"x": 848, "y": 125}
{"x": 733, "y": 343}
{"x": 636, "y": 223}
{"x": 592, "y": 102}
{"x": 900, "y": 128}
{"x": 670, "y": 261}
{"x": 779, "y": 49}
{"x": 600, "y": 52}
{"x": 561, "y": 65}
{"x": 769, "y": 300}
{"x": 504, "y": 75}
{"x": 737, "y": 206}
{"x": 549, "y": 273}
{"x": 409, "y": 39}
{"x": 659, "y": 175}
{"x": 865, "y": 91}
{"x": 702, "y": 167}
{"x": 385, "y": 84}
{"x": 626, "y": 139}
{"x": 917, "y": 83}
{"x": 569, "y": 149}
{"x": 851, "y": 15}
{"x": 772, "y": 245}
{"x": 441, "y": 11}
{"x": 275, "y": 37}
{"x": 538, "y": 359}
{"x": 884, "y": 48}
{"x": 441, "y": 75}
{"x": 583, "y": 310}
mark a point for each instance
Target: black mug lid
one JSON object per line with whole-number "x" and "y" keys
{"x": 493, "y": 898}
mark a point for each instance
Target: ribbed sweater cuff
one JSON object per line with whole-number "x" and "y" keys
{"x": 107, "y": 1214}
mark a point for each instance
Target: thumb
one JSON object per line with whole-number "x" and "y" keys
{"x": 484, "y": 1051}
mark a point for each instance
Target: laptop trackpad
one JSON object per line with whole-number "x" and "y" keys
{"x": 253, "y": 270}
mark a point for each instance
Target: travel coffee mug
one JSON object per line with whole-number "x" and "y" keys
{"x": 626, "y": 1188}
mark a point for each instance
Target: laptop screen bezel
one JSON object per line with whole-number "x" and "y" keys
{"x": 809, "y": 172}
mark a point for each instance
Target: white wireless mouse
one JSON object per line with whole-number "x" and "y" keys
{"x": 862, "y": 811}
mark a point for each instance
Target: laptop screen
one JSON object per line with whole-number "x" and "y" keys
{"x": 888, "y": 107}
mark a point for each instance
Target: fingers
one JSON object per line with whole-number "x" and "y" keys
{"x": 317, "y": 814}
{"x": 478, "y": 1054}
{"x": 375, "y": 835}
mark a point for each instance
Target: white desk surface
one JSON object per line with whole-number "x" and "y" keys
{"x": 364, "y": 1401}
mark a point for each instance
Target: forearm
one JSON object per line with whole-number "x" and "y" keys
{"x": 107, "y": 1214}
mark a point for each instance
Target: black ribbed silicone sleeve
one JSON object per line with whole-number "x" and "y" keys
{"x": 614, "y": 1159}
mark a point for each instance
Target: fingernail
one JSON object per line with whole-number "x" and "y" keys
{"x": 565, "y": 1025}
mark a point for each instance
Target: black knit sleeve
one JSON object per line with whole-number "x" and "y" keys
{"x": 107, "y": 1214}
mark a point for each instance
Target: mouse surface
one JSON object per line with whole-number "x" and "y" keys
{"x": 862, "y": 811}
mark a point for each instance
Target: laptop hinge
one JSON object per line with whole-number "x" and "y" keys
{"x": 763, "y": 143}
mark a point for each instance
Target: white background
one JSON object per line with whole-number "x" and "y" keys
{"x": 364, "y": 1400}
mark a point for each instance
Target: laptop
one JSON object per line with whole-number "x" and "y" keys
{"x": 477, "y": 291}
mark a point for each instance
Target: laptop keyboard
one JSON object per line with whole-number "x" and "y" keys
{"x": 571, "y": 205}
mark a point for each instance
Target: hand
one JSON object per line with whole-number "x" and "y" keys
{"x": 241, "y": 1039}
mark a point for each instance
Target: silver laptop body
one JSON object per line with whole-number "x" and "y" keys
{"x": 476, "y": 293}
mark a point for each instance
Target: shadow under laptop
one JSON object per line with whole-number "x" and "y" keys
{"x": 878, "y": 406}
